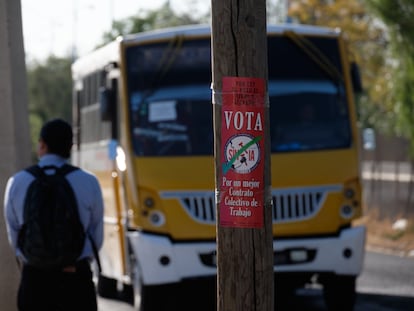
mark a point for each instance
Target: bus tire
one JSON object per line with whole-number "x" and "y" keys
{"x": 150, "y": 297}
{"x": 339, "y": 292}
{"x": 107, "y": 287}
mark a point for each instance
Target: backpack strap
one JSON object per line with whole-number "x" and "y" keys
{"x": 95, "y": 252}
{"x": 35, "y": 170}
{"x": 64, "y": 170}
{"x": 67, "y": 168}
{"x": 39, "y": 171}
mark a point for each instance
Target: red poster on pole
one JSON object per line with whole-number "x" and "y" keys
{"x": 242, "y": 152}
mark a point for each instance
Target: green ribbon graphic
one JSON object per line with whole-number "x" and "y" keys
{"x": 227, "y": 165}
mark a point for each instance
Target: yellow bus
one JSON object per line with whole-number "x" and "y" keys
{"x": 142, "y": 115}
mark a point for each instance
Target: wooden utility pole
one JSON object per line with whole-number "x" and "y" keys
{"x": 242, "y": 156}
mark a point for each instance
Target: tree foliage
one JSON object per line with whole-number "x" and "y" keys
{"x": 146, "y": 20}
{"x": 398, "y": 16}
{"x": 50, "y": 88}
{"x": 49, "y": 92}
{"x": 367, "y": 41}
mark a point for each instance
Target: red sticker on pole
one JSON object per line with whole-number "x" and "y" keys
{"x": 242, "y": 152}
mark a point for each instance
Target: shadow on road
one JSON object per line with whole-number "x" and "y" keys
{"x": 305, "y": 300}
{"x": 374, "y": 302}
{"x": 312, "y": 300}
{"x": 190, "y": 297}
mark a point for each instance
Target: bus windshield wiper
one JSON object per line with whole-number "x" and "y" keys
{"x": 164, "y": 65}
{"x": 316, "y": 55}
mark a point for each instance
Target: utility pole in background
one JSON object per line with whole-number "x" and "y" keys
{"x": 15, "y": 143}
{"x": 242, "y": 156}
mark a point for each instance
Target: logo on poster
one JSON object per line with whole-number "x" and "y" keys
{"x": 242, "y": 153}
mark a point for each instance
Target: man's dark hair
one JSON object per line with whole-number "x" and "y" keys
{"x": 57, "y": 135}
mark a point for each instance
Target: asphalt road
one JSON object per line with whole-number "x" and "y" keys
{"x": 386, "y": 284}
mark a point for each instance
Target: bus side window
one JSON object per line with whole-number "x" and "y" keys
{"x": 107, "y": 104}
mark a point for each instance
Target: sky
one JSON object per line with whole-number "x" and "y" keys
{"x": 54, "y": 27}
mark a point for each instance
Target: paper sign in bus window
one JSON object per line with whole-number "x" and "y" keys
{"x": 162, "y": 111}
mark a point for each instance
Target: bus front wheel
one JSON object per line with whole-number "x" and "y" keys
{"x": 149, "y": 297}
{"x": 339, "y": 292}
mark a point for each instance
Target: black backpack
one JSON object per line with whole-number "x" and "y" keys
{"x": 52, "y": 235}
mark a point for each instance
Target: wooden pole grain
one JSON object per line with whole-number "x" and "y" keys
{"x": 244, "y": 255}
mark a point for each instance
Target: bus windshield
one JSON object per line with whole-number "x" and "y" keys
{"x": 170, "y": 98}
{"x": 308, "y": 116}
{"x": 173, "y": 122}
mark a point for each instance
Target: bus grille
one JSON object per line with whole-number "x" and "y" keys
{"x": 201, "y": 208}
{"x": 288, "y": 205}
{"x": 293, "y": 205}
{"x": 199, "y": 205}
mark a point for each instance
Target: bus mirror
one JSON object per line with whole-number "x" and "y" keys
{"x": 112, "y": 145}
{"x": 107, "y": 104}
{"x": 356, "y": 78}
{"x": 368, "y": 139}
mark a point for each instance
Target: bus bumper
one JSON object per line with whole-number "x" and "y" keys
{"x": 342, "y": 254}
{"x": 161, "y": 261}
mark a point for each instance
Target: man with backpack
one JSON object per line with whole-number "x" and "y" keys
{"x": 54, "y": 217}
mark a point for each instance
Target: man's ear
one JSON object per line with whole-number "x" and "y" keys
{"x": 42, "y": 147}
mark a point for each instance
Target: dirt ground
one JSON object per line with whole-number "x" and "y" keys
{"x": 383, "y": 234}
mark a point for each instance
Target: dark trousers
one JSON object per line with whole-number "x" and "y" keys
{"x": 57, "y": 290}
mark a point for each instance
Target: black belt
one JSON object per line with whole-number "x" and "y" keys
{"x": 82, "y": 265}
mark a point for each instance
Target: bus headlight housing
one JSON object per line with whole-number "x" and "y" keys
{"x": 149, "y": 202}
{"x": 156, "y": 218}
{"x": 347, "y": 211}
{"x": 349, "y": 193}
{"x": 351, "y": 205}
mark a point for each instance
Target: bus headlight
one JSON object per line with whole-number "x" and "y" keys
{"x": 347, "y": 211}
{"x": 156, "y": 218}
{"x": 149, "y": 202}
{"x": 349, "y": 193}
